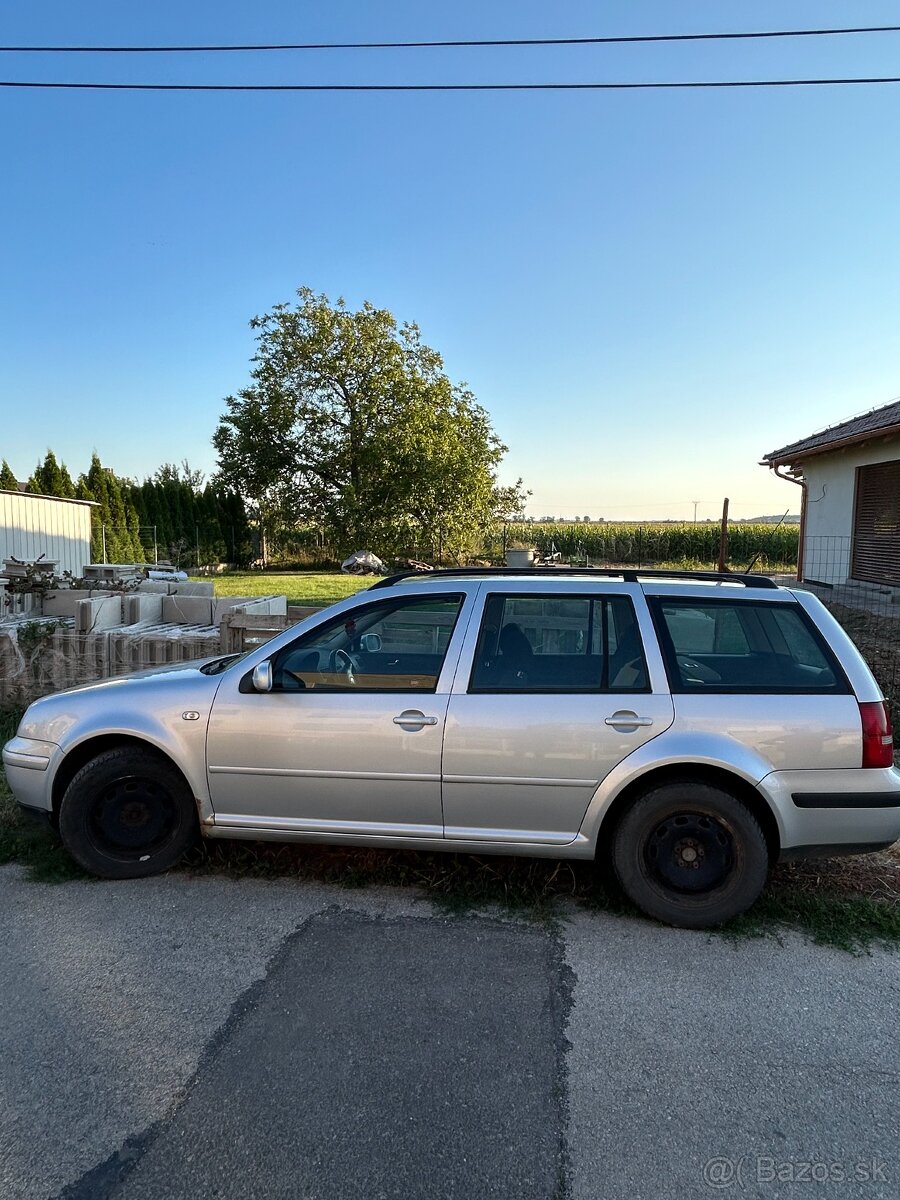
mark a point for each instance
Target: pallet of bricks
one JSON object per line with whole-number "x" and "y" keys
{"x": 72, "y": 636}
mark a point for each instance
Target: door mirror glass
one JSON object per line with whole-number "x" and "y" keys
{"x": 262, "y": 677}
{"x": 370, "y": 642}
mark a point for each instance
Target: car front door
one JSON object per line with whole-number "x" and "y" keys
{"x": 348, "y": 741}
{"x": 552, "y": 694}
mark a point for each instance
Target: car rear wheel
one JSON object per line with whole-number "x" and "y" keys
{"x": 127, "y": 813}
{"x": 690, "y": 854}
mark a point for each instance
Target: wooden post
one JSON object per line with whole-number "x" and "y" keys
{"x": 723, "y": 538}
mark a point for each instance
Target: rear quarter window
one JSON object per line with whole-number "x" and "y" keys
{"x": 744, "y": 646}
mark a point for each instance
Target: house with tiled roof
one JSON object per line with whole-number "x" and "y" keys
{"x": 850, "y": 511}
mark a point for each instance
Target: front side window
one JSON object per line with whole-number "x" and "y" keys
{"x": 559, "y": 644}
{"x": 743, "y": 646}
{"x": 388, "y": 646}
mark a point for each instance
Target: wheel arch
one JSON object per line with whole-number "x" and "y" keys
{"x": 82, "y": 754}
{"x": 707, "y": 773}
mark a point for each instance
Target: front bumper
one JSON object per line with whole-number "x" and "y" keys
{"x": 30, "y": 767}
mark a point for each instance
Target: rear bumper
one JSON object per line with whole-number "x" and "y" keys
{"x": 823, "y": 813}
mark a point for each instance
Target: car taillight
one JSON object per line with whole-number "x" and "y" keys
{"x": 878, "y": 734}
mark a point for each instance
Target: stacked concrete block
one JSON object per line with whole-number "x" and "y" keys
{"x": 98, "y": 613}
{"x": 145, "y": 645}
{"x": 193, "y": 588}
{"x": 63, "y": 602}
{"x": 188, "y": 610}
{"x": 91, "y": 637}
{"x": 14, "y": 568}
{"x": 142, "y": 606}
{"x": 110, "y": 572}
{"x": 166, "y": 587}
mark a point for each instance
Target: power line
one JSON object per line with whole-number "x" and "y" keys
{"x": 446, "y": 87}
{"x": 468, "y": 42}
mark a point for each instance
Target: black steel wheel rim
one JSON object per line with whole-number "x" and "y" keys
{"x": 132, "y": 818}
{"x": 690, "y": 853}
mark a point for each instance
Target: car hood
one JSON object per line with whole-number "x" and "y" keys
{"x": 156, "y": 690}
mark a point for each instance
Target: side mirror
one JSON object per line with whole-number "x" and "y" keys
{"x": 370, "y": 642}
{"x": 262, "y": 676}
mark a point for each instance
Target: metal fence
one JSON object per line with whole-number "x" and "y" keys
{"x": 869, "y": 612}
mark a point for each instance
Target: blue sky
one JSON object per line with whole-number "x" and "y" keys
{"x": 647, "y": 291}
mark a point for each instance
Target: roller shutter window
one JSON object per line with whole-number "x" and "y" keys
{"x": 876, "y": 524}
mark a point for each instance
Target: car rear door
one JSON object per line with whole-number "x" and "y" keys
{"x": 556, "y": 685}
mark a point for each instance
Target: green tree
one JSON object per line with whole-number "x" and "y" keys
{"x": 51, "y": 478}
{"x": 8, "y": 481}
{"x": 115, "y": 521}
{"x": 351, "y": 423}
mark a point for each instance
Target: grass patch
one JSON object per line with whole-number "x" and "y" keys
{"x": 453, "y": 882}
{"x": 852, "y": 923}
{"x": 32, "y": 844}
{"x": 24, "y": 840}
{"x": 300, "y": 587}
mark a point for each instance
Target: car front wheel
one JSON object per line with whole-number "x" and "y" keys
{"x": 127, "y": 813}
{"x": 690, "y": 854}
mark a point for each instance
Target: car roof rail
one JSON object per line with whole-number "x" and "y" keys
{"x": 626, "y": 574}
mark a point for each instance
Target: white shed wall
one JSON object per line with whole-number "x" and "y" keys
{"x": 34, "y": 525}
{"x": 831, "y": 480}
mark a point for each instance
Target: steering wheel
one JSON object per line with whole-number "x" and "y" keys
{"x": 697, "y": 671}
{"x": 342, "y": 664}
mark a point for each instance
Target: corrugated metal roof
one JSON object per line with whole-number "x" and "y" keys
{"x": 879, "y": 420}
{"x": 41, "y": 496}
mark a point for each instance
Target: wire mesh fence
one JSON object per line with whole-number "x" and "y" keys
{"x": 869, "y": 612}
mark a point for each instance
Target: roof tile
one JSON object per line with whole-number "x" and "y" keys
{"x": 876, "y": 421}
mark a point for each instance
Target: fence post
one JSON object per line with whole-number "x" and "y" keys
{"x": 723, "y": 538}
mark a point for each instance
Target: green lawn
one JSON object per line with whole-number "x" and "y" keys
{"x": 300, "y": 587}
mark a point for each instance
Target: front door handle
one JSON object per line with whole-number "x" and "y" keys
{"x": 626, "y": 719}
{"x": 413, "y": 719}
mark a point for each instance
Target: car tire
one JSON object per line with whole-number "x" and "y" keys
{"x": 690, "y": 854}
{"x": 127, "y": 813}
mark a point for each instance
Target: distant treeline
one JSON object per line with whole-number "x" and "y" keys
{"x": 171, "y": 515}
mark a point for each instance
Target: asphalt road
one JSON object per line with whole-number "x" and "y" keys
{"x": 210, "y": 1038}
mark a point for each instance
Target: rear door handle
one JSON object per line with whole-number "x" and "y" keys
{"x": 413, "y": 719}
{"x": 628, "y": 720}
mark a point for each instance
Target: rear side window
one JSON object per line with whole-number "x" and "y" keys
{"x": 744, "y": 646}
{"x": 559, "y": 644}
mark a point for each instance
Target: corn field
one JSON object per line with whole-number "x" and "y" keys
{"x": 687, "y": 544}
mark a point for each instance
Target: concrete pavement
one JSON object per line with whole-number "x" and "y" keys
{"x": 208, "y": 1037}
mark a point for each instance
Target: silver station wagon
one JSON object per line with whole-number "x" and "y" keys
{"x": 690, "y": 729}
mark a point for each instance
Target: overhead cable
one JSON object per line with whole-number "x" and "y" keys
{"x": 612, "y": 40}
